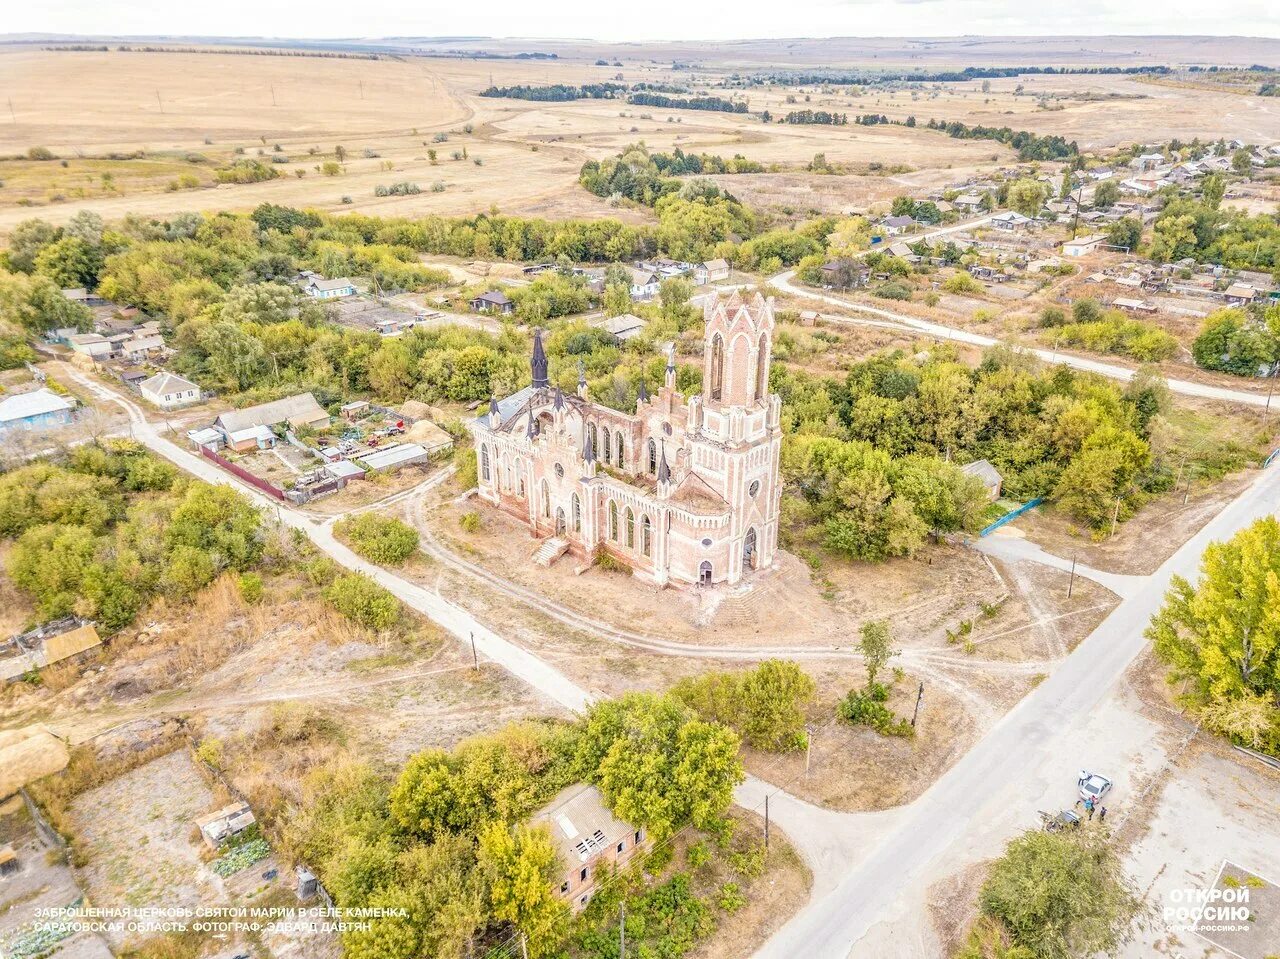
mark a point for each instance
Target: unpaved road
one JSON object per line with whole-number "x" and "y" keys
{"x": 863, "y": 863}
{"x": 939, "y": 331}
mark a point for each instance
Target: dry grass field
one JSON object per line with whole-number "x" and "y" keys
{"x": 143, "y": 133}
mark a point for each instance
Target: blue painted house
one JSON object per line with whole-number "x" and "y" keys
{"x": 38, "y": 410}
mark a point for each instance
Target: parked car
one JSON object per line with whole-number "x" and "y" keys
{"x": 1093, "y": 785}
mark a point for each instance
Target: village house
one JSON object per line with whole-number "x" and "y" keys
{"x": 1146, "y": 161}
{"x": 252, "y": 427}
{"x": 1239, "y": 294}
{"x": 624, "y": 326}
{"x": 1133, "y": 305}
{"x": 987, "y": 475}
{"x": 1010, "y": 220}
{"x": 169, "y": 391}
{"x": 83, "y": 297}
{"x": 587, "y": 838}
{"x": 711, "y": 271}
{"x": 39, "y": 409}
{"x": 897, "y": 225}
{"x": 844, "y": 273}
{"x": 644, "y": 283}
{"x": 1083, "y": 245}
{"x": 690, "y": 491}
{"x": 91, "y": 344}
{"x": 53, "y": 642}
{"x": 317, "y": 287}
{"x": 968, "y": 203}
{"x": 494, "y": 301}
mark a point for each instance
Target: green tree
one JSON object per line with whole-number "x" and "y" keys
{"x": 657, "y": 765}
{"x": 1125, "y": 233}
{"x": 1106, "y": 194}
{"x": 1061, "y": 895}
{"x": 765, "y": 705}
{"x": 617, "y": 299}
{"x": 875, "y": 642}
{"x": 521, "y": 869}
{"x": 1027, "y": 196}
{"x": 1223, "y": 633}
{"x": 1212, "y": 189}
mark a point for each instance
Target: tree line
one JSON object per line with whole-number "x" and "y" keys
{"x": 557, "y": 92}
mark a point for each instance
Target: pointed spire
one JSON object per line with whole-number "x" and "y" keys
{"x": 493, "y": 406}
{"x": 664, "y": 471}
{"x": 589, "y": 449}
{"x": 531, "y": 430}
{"x": 495, "y": 418}
{"x": 642, "y": 395}
{"x": 559, "y": 404}
{"x": 538, "y": 364}
{"x": 582, "y": 373}
{"x": 671, "y": 357}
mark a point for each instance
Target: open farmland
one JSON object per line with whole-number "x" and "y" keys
{"x": 145, "y": 133}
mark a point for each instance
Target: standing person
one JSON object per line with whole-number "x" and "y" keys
{"x": 1102, "y": 814}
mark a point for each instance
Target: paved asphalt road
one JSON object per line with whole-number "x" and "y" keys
{"x": 862, "y": 863}
{"x": 1042, "y": 731}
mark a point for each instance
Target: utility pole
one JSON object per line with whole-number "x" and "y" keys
{"x": 273, "y": 94}
{"x": 919, "y": 700}
{"x": 1115, "y": 517}
{"x": 808, "y": 749}
{"x": 622, "y": 929}
{"x": 1072, "y": 582}
{"x": 12, "y": 115}
{"x": 1271, "y": 388}
{"x": 361, "y": 89}
{"x": 475, "y": 660}
{"x": 524, "y": 946}
{"x": 159, "y": 102}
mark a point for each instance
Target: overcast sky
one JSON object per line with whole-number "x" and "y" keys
{"x": 661, "y": 20}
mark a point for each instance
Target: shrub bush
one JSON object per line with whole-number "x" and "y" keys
{"x": 379, "y": 539}
{"x": 866, "y": 707}
{"x": 362, "y": 600}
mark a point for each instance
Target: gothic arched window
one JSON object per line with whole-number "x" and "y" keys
{"x": 631, "y": 529}
{"x": 484, "y": 462}
{"x": 620, "y": 449}
{"x": 653, "y": 457}
{"x": 613, "y": 521}
{"x": 762, "y": 368}
{"x": 646, "y": 536}
{"x": 546, "y": 500}
{"x": 577, "y": 514}
{"x": 717, "y": 367}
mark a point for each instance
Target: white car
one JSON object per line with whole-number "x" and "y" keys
{"x": 1093, "y": 786}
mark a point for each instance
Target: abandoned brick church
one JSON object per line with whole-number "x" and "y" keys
{"x": 685, "y": 491}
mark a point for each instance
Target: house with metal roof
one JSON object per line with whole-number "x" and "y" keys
{"x": 987, "y": 475}
{"x": 38, "y": 410}
{"x": 169, "y": 391}
{"x": 394, "y": 457}
{"x": 319, "y": 288}
{"x": 494, "y": 301}
{"x": 297, "y": 411}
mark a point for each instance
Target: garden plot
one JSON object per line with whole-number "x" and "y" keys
{"x": 140, "y": 841}
{"x": 43, "y": 881}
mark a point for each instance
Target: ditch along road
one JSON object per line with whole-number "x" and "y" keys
{"x": 862, "y": 863}
{"x": 901, "y": 321}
